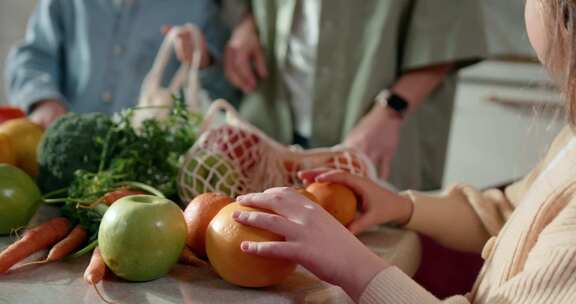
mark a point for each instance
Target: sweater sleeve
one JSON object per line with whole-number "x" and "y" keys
{"x": 394, "y": 287}
{"x": 464, "y": 218}
{"x": 547, "y": 276}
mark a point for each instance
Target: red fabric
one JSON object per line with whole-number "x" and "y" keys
{"x": 445, "y": 272}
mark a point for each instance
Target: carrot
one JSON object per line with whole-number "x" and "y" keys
{"x": 68, "y": 244}
{"x": 96, "y": 269}
{"x": 111, "y": 197}
{"x": 35, "y": 239}
{"x": 64, "y": 247}
{"x": 187, "y": 257}
{"x": 95, "y": 272}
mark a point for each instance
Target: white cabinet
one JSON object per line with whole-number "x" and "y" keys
{"x": 505, "y": 117}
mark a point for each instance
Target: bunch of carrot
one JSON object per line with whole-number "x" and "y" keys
{"x": 57, "y": 232}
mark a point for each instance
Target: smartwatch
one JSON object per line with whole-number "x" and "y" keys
{"x": 394, "y": 102}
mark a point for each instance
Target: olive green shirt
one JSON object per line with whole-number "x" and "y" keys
{"x": 364, "y": 46}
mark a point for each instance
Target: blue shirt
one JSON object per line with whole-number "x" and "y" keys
{"x": 94, "y": 54}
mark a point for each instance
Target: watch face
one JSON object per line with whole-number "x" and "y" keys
{"x": 397, "y": 103}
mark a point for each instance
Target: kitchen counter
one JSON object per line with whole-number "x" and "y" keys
{"x": 62, "y": 282}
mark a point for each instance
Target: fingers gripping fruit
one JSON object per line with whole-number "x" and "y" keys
{"x": 337, "y": 199}
{"x": 223, "y": 239}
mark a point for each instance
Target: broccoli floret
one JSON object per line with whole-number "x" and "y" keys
{"x": 70, "y": 144}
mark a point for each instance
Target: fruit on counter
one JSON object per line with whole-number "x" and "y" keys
{"x": 209, "y": 172}
{"x": 198, "y": 215}
{"x": 141, "y": 237}
{"x": 6, "y": 154}
{"x": 337, "y": 199}
{"x": 19, "y": 198}
{"x": 24, "y": 137}
{"x": 8, "y": 113}
{"x": 69, "y": 145}
{"x": 223, "y": 239}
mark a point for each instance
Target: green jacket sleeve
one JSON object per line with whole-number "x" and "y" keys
{"x": 443, "y": 31}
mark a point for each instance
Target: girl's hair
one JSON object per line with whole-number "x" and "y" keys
{"x": 561, "y": 53}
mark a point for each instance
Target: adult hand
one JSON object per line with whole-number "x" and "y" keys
{"x": 377, "y": 205}
{"x": 377, "y": 136}
{"x": 314, "y": 239}
{"x": 185, "y": 46}
{"x": 244, "y": 60}
{"x": 45, "y": 112}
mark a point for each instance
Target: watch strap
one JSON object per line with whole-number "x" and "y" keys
{"x": 393, "y": 101}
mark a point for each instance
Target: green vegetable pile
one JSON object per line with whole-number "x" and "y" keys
{"x": 69, "y": 145}
{"x": 109, "y": 154}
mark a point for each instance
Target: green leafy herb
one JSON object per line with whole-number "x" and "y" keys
{"x": 148, "y": 155}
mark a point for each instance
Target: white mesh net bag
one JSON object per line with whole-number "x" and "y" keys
{"x": 233, "y": 157}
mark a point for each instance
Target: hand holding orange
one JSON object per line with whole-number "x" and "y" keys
{"x": 337, "y": 199}
{"x": 223, "y": 239}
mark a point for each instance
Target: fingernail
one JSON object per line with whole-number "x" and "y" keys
{"x": 245, "y": 246}
{"x": 236, "y": 215}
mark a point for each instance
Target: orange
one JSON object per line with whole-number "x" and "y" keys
{"x": 198, "y": 215}
{"x": 24, "y": 137}
{"x": 223, "y": 239}
{"x": 6, "y": 154}
{"x": 337, "y": 199}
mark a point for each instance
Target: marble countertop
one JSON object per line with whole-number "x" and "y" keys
{"x": 62, "y": 282}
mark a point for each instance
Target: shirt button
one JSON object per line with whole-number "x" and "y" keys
{"x": 106, "y": 97}
{"x": 118, "y": 50}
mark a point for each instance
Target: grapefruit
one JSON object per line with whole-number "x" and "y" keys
{"x": 223, "y": 239}
{"x": 198, "y": 215}
{"x": 337, "y": 199}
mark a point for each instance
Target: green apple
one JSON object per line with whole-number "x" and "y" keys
{"x": 210, "y": 172}
{"x": 141, "y": 237}
{"x": 19, "y": 198}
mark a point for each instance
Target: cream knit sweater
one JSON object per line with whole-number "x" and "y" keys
{"x": 528, "y": 235}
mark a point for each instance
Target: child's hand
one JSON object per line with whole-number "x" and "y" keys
{"x": 377, "y": 205}
{"x": 314, "y": 239}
